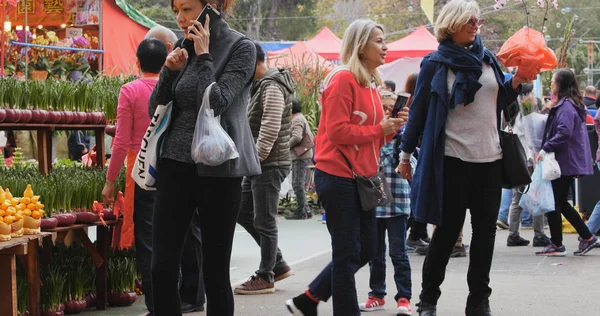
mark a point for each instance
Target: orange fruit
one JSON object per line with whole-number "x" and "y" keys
{"x": 36, "y": 214}
{"x": 39, "y": 206}
{"x": 18, "y": 217}
{"x": 25, "y": 200}
{"x": 31, "y": 206}
{"x": 28, "y": 192}
{"x": 6, "y": 205}
{"x": 9, "y": 219}
{"x": 35, "y": 199}
{"x": 14, "y": 202}
{"x": 20, "y": 206}
{"x": 2, "y": 213}
{"x": 8, "y": 195}
{"x": 11, "y": 211}
{"x": 27, "y": 212}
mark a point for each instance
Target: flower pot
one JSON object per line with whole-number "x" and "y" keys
{"x": 5, "y": 230}
{"x": 86, "y": 217}
{"x": 16, "y": 229}
{"x": 39, "y": 116}
{"x": 90, "y": 118}
{"x": 66, "y": 117}
{"x": 26, "y": 116}
{"x": 90, "y": 300}
{"x": 81, "y": 117}
{"x": 66, "y": 219}
{"x": 108, "y": 214}
{"x": 31, "y": 226}
{"x": 13, "y": 116}
{"x": 121, "y": 299}
{"x": 75, "y": 306}
{"x": 2, "y": 115}
{"x": 75, "y": 75}
{"x": 100, "y": 117}
{"x": 57, "y": 313}
{"x": 54, "y": 117}
{"x": 25, "y": 313}
{"x": 48, "y": 223}
{"x": 40, "y": 75}
{"x": 110, "y": 130}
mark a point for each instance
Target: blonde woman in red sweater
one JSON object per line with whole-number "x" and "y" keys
{"x": 353, "y": 124}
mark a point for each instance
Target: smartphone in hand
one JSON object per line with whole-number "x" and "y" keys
{"x": 401, "y": 102}
{"x": 208, "y": 10}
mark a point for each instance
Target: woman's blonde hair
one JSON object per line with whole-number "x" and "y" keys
{"x": 388, "y": 95}
{"x": 355, "y": 39}
{"x": 454, "y": 15}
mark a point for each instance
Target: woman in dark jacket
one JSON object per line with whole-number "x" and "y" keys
{"x": 457, "y": 105}
{"x": 183, "y": 186}
{"x": 566, "y": 136}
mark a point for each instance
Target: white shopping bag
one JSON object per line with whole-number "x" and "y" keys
{"x": 550, "y": 167}
{"x": 144, "y": 171}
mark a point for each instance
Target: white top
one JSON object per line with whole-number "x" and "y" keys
{"x": 472, "y": 130}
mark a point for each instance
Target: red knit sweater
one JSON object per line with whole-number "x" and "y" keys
{"x": 349, "y": 122}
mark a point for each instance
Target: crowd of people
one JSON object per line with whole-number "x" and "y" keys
{"x": 440, "y": 156}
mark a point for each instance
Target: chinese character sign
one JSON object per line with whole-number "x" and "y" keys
{"x": 53, "y": 6}
{"x": 30, "y": 4}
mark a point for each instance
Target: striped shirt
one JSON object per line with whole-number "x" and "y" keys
{"x": 273, "y": 104}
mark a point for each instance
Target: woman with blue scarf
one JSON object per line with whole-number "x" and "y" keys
{"x": 457, "y": 107}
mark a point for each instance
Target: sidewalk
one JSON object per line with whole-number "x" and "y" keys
{"x": 523, "y": 284}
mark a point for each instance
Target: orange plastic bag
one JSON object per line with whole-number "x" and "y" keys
{"x": 527, "y": 50}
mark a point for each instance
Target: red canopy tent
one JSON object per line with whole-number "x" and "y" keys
{"x": 298, "y": 53}
{"x": 416, "y": 44}
{"x": 326, "y": 44}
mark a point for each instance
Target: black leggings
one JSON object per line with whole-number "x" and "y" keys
{"x": 180, "y": 192}
{"x": 560, "y": 188}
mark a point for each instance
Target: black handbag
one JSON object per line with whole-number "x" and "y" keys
{"x": 515, "y": 173}
{"x": 373, "y": 191}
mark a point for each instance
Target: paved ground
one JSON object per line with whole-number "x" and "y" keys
{"x": 523, "y": 283}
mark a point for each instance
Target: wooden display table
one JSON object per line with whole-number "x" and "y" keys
{"x": 26, "y": 246}
{"x": 99, "y": 253}
{"x": 44, "y": 139}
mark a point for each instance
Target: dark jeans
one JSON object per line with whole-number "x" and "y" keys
{"x": 143, "y": 207}
{"x": 353, "y": 242}
{"x": 477, "y": 187}
{"x": 299, "y": 167}
{"x": 258, "y": 215}
{"x": 192, "y": 281}
{"x": 561, "y": 188}
{"x": 217, "y": 200}
{"x": 396, "y": 229}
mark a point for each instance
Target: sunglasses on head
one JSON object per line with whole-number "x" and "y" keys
{"x": 476, "y": 22}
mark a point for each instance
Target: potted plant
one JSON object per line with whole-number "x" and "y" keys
{"x": 22, "y": 291}
{"x": 74, "y": 285}
{"x": 41, "y": 68}
{"x": 77, "y": 66}
{"x": 122, "y": 273}
{"x": 52, "y": 290}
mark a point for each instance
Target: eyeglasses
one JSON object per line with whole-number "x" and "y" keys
{"x": 476, "y": 22}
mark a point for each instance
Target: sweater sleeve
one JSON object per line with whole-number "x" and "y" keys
{"x": 273, "y": 104}
{"x": 123, "y": 133}
{"x": 297, "y": 131}
{"x": 339, "y": 105}
{"x": 162, "y": 93}
{"x": 235, "y": 76}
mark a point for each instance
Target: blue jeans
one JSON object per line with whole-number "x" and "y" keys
{"x": 396, "y": 229}
{"x": 593, "y": 223}
{"x": 353, "y": 238}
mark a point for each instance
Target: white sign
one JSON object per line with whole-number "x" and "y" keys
{"x": 74, "y": 32}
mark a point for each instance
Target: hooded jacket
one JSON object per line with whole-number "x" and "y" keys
{"x": 279, "y": 154}
{"x": 566, "y": 136}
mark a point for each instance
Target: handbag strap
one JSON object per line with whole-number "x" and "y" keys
{"x": 348, "y": 163}
{"x": 507, "y": 119}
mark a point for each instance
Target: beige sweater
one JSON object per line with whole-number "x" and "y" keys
{"x": 299, "y": 127}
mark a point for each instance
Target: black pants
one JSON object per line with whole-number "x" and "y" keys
{"x": 143, "y": 207}
{"x": 418, "y": 230}
{"x": 180, "y": 192}
{"x": 561, "y": 188}
{"x": 192, "y": 281}
{"x": 477, "y": 187}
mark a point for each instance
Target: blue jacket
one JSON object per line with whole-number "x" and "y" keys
{"x": 567, "y": 137}
{"x": 427, "y": 118}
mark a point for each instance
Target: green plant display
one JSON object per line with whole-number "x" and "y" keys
{"x": 122, "y": 271}
{"x": 52, "y": 289}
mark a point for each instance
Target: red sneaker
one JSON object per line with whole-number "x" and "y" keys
{"x": 373, "y": 304}
{"x": 403, "y": 307}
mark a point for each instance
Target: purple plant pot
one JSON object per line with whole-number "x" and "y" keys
{"x": 48, "y": 223}
{"x": 66, "y": 219}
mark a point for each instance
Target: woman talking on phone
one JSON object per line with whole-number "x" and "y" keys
{"x": 211, "y": 52}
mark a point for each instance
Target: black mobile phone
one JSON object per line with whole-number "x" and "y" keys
{"x": 208, "y": 9}
{"x": 400, "y": 103}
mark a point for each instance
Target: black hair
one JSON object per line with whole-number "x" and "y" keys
{"x": 390, "y": 84}
{"x": 568, "y": 87}
{"x": 260, "y": 53}
{"x": 296, "y": 106}
{"x": 152, "y": 55}
{"x": 526, "y": 88}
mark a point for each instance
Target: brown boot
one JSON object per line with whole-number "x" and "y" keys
{"x": 255, "y": 285}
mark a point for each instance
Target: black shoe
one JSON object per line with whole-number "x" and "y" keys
{"x": 309, "y": 215}
{"x": 426, "y": 309}
{"x": 426, "y": 239}
{"x": 295, "y": 216}
{"x": 516, "y": 241}
{"x": 302, "y": 305}
{"x": 416, "y": 243}
{"x": 422, "y": 251}
{"x": 191, "y": 308}
{"x": 483, "y": 309}
{"x": 541, "y": 241}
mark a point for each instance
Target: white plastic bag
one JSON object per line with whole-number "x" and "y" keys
{"x": 211, "y": 145}
{"x": 540, "y": 197}
{"x": 550, "y": 167}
